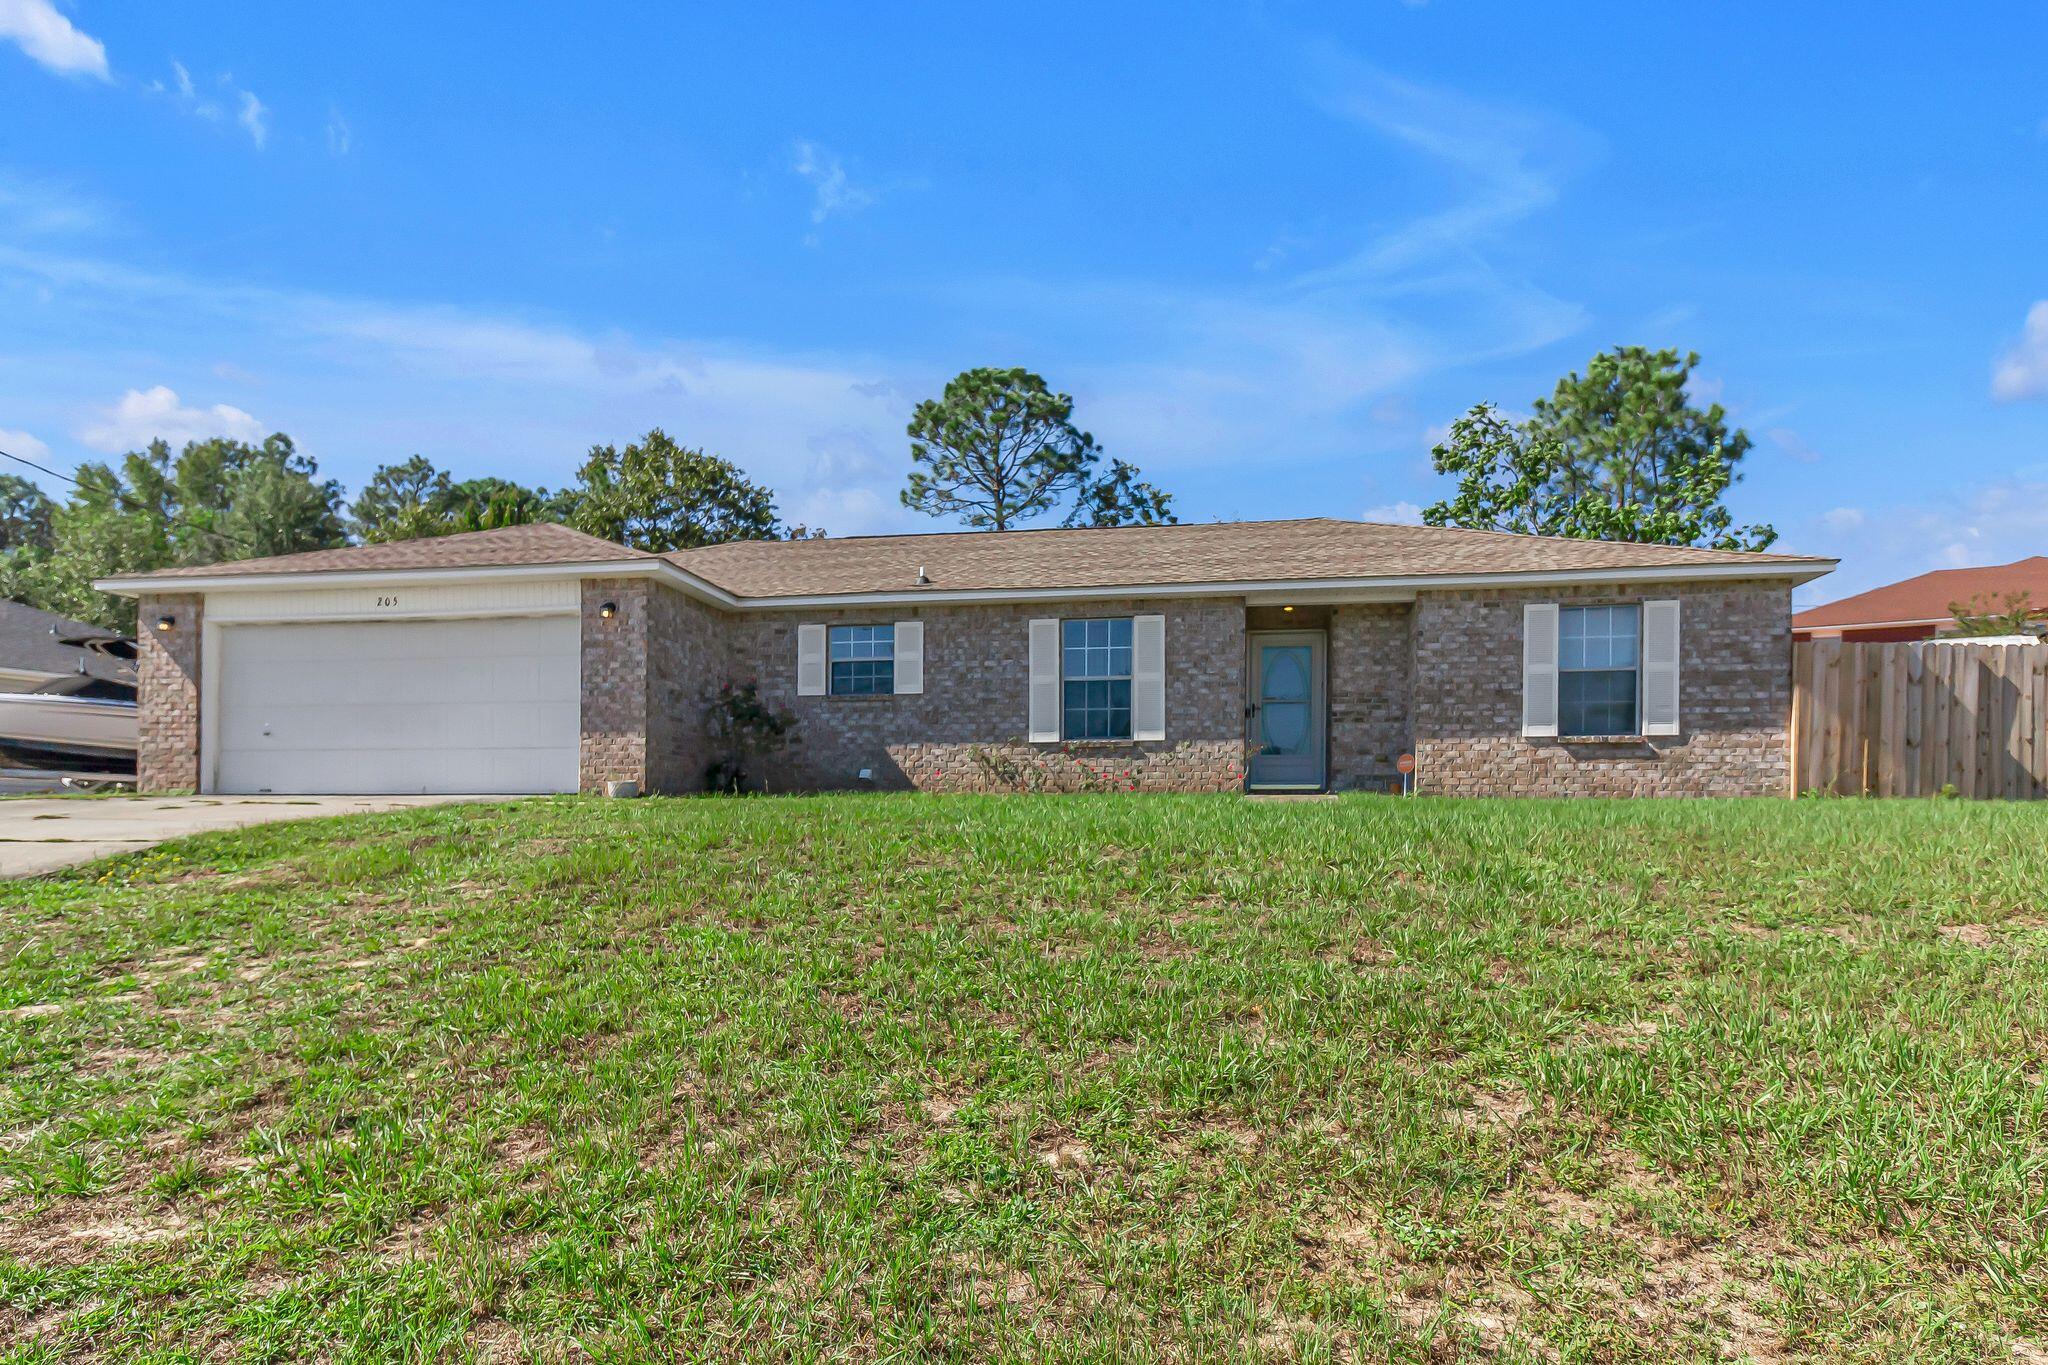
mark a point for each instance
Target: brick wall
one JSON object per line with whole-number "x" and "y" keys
{"x": 167, "y": 683}
{"x": 615, "y": 683}
{"x": 1371, "y": 660}
{"x": 690, "y": 656}
{"x": 965, "y": 731}
{"x": 1734, "y": 704}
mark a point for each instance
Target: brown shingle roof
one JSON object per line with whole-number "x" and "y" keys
{"x": 1213, "y": 552}
{"x": 1128, "y": 556}
{"x": 540, "y": 543}
{"x": 1927, "y": 597}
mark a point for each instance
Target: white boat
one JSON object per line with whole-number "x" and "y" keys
{"x": 53, "y": 731}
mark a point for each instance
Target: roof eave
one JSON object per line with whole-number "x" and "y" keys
{"x": 1385, "y": 587}
{"x": 138, "y": 585}
{"x": 1388, "y": 587}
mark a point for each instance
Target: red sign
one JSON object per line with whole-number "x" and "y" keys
{"x": 1405, "y": 763}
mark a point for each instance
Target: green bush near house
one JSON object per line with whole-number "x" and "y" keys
{"x": 1023, "y": 1078}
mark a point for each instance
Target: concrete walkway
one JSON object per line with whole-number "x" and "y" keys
{"x": 38, "y": 836}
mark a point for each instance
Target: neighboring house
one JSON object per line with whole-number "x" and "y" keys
{"x": 41, "y": 651}
{"x": 1283, "y": 655}
{"x": 1920, "y": 608}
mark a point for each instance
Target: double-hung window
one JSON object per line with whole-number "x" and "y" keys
{"x": 1599, "y": 650}
{"x": 863, "y": 660}
{"x": 1095, "y": 671}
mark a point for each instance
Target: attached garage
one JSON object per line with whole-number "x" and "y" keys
{"x": 444, "y": 705}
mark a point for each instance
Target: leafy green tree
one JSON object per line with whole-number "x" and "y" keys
{"x": 24, "y": 514}
{"x": 2015, "y": 615}
{"x": 658, "y": 496}
{"x": 216, "y": 500}
{"x": 487, "y": 503}
{"x": 998, "y": 448}
{"x": 1121, "y": 498}
{"x": 1619, "y": 453}
{"x": 403, "y": 502}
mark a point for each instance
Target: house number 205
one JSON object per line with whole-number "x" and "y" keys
{"x": 387, "y": 601}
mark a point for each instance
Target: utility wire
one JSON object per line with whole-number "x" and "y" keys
{"x": 134, "y": 506}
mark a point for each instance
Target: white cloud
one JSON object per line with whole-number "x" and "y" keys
{"x": 254, "y": 118}
{"x": 22, "y": 444}
{"x": 143, "y": 415}
{"x": 2022, "y": 372}
{"x": 36, "y": 27}
{"x": 251, "y": 114}
{"x": 1399, "y": 513}
{"x": 1989, "y": 523}
{"x": 1789, "y": 441}
{"x": 1510, "y": 163}
{"x": 31, "y": 208}
{"x": 832, "y": 191}
{"x": 340, "y": 137}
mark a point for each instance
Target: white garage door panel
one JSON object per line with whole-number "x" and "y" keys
{"x": 400, "y": 706}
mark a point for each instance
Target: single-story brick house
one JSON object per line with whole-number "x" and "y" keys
{"x": 1283, "y": 655}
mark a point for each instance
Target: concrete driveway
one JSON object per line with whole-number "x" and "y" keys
{"x": 42, "y": 836}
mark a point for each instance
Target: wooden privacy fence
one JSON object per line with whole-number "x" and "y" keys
{"x": 1913, "y": 719}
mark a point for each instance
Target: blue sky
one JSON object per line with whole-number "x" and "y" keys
{"x": 1271, "y": 249}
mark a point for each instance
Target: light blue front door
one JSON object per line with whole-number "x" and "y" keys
{"x": 1286, "y": 710}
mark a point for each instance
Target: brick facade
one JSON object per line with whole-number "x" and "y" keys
{"x": 965, "y": 731}
{"x": 1371, "y": 663}
{"x": 689, "y": 657}
{"x": 1735, "y": 698}
{"x": 1440, "y": 677}
{"x": 167, "y": 693}
{"x": 615, "y": 677}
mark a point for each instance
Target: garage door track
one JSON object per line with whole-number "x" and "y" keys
{"x": 42, "y": 836}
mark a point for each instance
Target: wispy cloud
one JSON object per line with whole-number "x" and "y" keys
{"x": 254, "y": 118}
{"x": 360, "y": 381}
{"x": 23, "y": 444}
{"x": 1794, "y": 446}
{"x": 2022, "y": 372}
{"x": 51, "y": 40}
{"x": 1993, "y": 522}
{"x": 832, "y": 190}
{"x": 340, "y": 137}
{"x": 32, "y": 208}
{"x": 250, "y": 113}
{"x": 1509, "y": 163}
{"x": 1398, "y": 513}
{"x": 143, "y": 415}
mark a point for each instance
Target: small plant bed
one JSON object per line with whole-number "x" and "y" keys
{"x": 1031, "y": 1078}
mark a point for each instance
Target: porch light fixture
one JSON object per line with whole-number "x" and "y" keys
{"x": 166, "y": 622}
{"x": 608, "y": 610}
{"x": 1287, "y": 608}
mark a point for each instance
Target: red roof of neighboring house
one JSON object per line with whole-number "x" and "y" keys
{"x": 1927, "y": 597}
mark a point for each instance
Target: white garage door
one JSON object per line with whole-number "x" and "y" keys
{"x": 400, "y": 706}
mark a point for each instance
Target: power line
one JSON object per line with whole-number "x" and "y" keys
{"x": 134, "y": 506}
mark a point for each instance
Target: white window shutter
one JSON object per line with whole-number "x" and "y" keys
{"x": 909, "y": 657}
{"x": 1045, "y": 682}
{"x": 1539, "y": 668}
{"x": 810, "y": 661}
{"x": 1148, "y": 677}
{"x": 1660, "y": 668}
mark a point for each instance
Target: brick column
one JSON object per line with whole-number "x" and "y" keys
{"x": 167, "y": 683}
{"x": 615, "y": 698}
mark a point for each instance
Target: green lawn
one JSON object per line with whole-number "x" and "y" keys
{"x": 1037, "y": 1079}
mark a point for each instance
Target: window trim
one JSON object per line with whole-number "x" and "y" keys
{"x": 1128, "y": 679}
{"x": 1635, "y": 730}
{"x": 884, "y": 638}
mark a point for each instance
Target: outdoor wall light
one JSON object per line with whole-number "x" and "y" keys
{"x": 608, "y": 610}
{"x": 1287, "y": 608}
{"x": 166, "y": 622}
